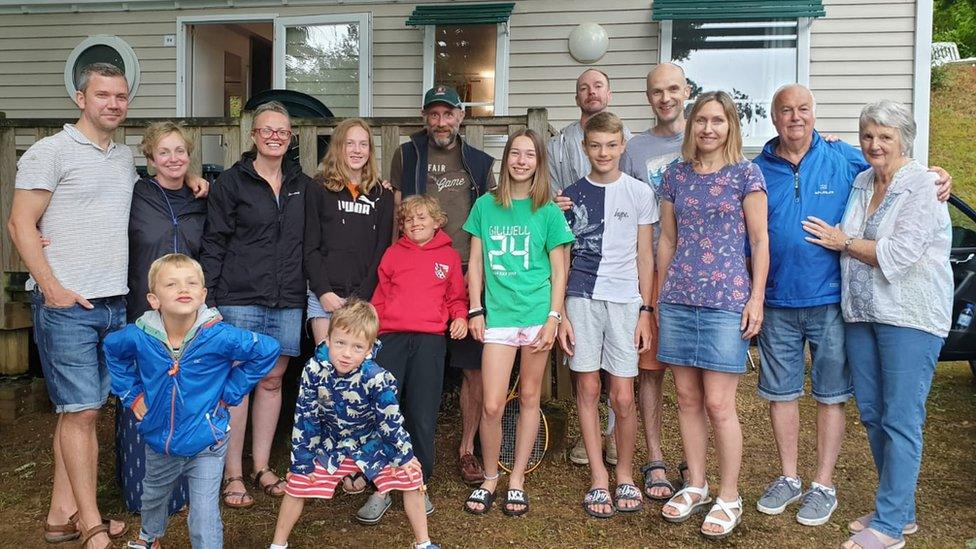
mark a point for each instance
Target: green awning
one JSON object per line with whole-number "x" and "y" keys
{"x": 460, "y": 14}
{"x": 734, "y": 10}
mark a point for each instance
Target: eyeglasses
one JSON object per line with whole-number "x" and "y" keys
{"x": 266, "y": 133}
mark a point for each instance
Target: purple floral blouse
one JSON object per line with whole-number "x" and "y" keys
{"x": 709, "y": 265}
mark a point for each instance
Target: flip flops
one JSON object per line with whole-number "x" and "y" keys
{"x": 515, "y": 496}
{"x": 650, "y": 482}
{"x": 628, "y": 492}
{"x": 352, "y": 483}
{"x": 860, "y": 523}
{"x": 598, "y": 496}
{"x": 865, "y": 539}
{"x": 482, "y": 496}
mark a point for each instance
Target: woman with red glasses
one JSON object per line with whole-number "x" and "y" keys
{"x": 252, "y": 260}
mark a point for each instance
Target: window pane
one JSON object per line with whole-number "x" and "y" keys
{"x": 464, "y": 57}
{"x": 748, "y": 59}
{"x": 323, "y": 61}
{"x": 97, "y": 54}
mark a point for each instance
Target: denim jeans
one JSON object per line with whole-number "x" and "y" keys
{"x": 204, "y": 472}
{"x": 892, "y": 369}
{"x": 69, "y": 341}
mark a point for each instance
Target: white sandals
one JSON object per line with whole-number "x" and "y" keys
{"x": 727, "y": 526}
{"x": 685, "y": 506}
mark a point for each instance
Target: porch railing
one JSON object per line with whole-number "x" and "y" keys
{"x": 16, "y": 134}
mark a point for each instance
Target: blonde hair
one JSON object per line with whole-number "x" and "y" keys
{"x": 539, "y": 190}
{"x": 335, "y": 174}
{"x": 173, "y": 260}
{"x": 733, "y": 143}
{"x": 415, "y": 203}
{"x": 358, "y": 318}
{"x": 604, "y": 122}
{"x": 155, "y": 133}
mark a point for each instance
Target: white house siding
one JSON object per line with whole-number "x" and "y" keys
{"x": 862, "y": 51}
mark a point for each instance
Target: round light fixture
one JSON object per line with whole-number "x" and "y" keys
{"x": 588, "y": 42}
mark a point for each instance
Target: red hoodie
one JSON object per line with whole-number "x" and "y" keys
{"x": 420, "y": 287}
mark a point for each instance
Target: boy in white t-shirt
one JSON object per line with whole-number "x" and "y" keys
{"x": 608, "y": 310}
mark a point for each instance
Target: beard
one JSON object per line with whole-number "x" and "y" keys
{"x": 444, "y": 142}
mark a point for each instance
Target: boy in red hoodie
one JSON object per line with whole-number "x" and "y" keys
{"x": 421, "y": 289}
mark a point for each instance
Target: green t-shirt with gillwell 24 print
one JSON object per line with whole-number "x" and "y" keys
{"x": 515, "y": 246}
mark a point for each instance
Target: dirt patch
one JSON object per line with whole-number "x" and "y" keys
{"x": 945, "y": 492}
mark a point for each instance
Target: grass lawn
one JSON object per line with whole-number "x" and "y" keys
{"x": 953, "y": 129}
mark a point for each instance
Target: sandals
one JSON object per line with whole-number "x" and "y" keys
{"x": 598, "y": 496}
{"x": 352, "y": 482}
{"x": 225, "y": 494}
{"x": 472, "y": 473}
{"x": 94, "y": 531}
{"x": 683, "y": 473}
{"x": 628, "y": 492}
{"x": 860, "y": 523}
{"x": 865, "y": 539}
{"x": 649, "y": 482}
{"x": 59, "y": 533}
{"x": 482, "y": 496}
{"x": 727, "y": 525}
{"x": 269, "y": 489}
{"x": 685, "y": 506}
{"x": 515, "y": 496}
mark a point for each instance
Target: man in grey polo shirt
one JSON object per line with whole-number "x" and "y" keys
{"x": 75, "y": 188}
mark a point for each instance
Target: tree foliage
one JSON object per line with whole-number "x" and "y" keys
{"x": 955, "y": 21}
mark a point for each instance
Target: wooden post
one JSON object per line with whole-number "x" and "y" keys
{"x": 538, "y": 120}
{"x": 247, "y": 121}
{"x": 232, "y": 145}
{"x": 195, "y": 133}
{"x": 307, "y": 149}
{"x": 475, "y": 136}
{"x": 389, "y": 143}
{"x": 13, "y": 336}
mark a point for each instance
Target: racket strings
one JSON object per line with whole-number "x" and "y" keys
{"x": 510, "y": 417}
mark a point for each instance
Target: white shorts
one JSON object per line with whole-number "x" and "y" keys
{"x": 604, "y": 335}
{"x": 513, "y": 337}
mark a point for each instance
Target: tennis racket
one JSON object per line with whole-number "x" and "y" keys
{"x": 510, "y": 418}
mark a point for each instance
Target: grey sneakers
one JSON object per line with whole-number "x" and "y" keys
{"x": 782, "y": 492}
{"x": 818, "y": 504}
{"x": 377, "y": 504}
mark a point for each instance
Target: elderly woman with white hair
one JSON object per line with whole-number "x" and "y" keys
{"x": 896, "y": 299}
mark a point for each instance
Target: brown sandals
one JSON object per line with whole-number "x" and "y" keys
{"x": 59, "y": 533}
{"x": 269, "y": 489}
{"x": 240, "y": 502}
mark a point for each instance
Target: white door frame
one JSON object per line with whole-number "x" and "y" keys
{"x": 364, "y": 20}
{"x": 183, "y": 56}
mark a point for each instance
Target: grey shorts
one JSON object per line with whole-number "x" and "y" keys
{"x": 604, "y": 335}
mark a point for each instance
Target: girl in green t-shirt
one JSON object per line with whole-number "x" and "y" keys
{"x": 518, "y": 257}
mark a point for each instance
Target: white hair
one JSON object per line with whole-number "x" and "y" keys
{"x": 783, "y": 88}
{"x": 893, "y": 115}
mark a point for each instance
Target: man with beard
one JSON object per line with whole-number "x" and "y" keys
{"x": 438, "y": 163}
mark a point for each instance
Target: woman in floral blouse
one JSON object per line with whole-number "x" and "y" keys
{"x": 714, "y": 205}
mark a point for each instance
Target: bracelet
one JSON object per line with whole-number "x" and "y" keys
{"x": 480, "y": 311}
{"x": 847, "y": 243}
{"x": 646, "y": 309}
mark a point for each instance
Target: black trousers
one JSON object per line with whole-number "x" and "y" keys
{"x": 417, "y": 363}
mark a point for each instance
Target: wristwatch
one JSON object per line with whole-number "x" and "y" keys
{"x": 647, "y": 309}
{"x": 848, "y": 242}
{"x": 557, "y": 316}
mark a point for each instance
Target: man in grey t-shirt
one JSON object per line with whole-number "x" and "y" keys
{"x": 76, "y": 187}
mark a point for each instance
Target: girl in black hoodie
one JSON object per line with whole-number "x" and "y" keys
{"x": 348, "y": 224}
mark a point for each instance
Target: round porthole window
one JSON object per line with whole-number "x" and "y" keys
{"x": 102, "y": 48}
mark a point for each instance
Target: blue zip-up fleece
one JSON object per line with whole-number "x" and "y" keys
{"x": 186, "y": 391}
{"x": 803, "y": 274}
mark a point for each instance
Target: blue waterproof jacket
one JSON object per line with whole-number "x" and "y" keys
{"x": 803, "y": 274}
{"x": 186, "y": 391}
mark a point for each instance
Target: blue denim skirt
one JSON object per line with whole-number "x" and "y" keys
{"x": 285, "y": 325}
{"x": 705, "y": 338}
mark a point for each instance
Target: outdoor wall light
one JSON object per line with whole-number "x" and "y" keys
{"x": 588, "y": 43}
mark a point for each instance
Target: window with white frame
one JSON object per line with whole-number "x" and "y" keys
{"x": 102, "y": 48}
{"x": 748, "y": 59}
{"x": 473, "y": 59}
{"x": 327, "y": 57}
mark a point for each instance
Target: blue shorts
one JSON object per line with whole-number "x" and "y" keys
{"x": 69, "y": 342}
{"x": 314, "y": 309}
{"x": 285, "y": 325}
{"x": 783, "y": 364}
{"x": 705, "y": 338}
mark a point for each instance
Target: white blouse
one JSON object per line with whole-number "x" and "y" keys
{"x": 912, "y": 286}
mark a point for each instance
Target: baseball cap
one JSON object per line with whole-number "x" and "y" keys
{"x": 442, "y": 94}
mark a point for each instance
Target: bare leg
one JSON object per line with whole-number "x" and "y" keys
{"x": 79, "y": 450}
{"x": 496, "y": 370}
{"x": 785, "y": 417}
{"x": 693, "y": 425}
{"x": 830, "y": 434}
{"x": 533, "y": 369}
{"x": 720, "y": 404}
{"x": 233, "y": 466}
{"x": 62, "y": 499}
{"x": 471, "y": 402}
{"x": 650, "y": 393}
{"x": 264, "y": 418}
{"x": 587, "y": 404}
{"x": 320, "y": 329}
{"x": 288, "y": 515}
{"x": 413, "y": 506}
{"x": 622, "y": 403}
